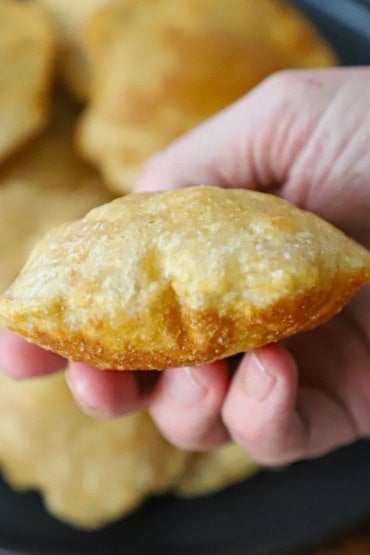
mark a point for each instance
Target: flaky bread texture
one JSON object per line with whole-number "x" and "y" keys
{"x": 160, "y": 68}
{"x": 27, "y": 51}
{"x": 181, "y": 278}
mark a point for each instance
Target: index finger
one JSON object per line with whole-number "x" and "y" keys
{"x": 253, "y": 142}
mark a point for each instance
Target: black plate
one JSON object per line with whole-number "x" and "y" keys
{"x": 345, "y": 24}
{"x": 274, "y": 512}
{"x": 269, "y": 514}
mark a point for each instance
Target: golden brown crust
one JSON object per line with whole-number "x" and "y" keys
{"x": 159, "y": 70}
{"x": 201, "y": 336}
{"x": 181, "y": 278}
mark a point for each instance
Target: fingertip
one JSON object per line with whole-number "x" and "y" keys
{"x": 280, "y": 366}
{"x": 161, "y": 172}
{"x": 191, "y": 386}
{"x": 20, "y": 359}
{"x": 261, "y": 402}
{"x": 104, "y": 393}
{"x": 186, "y": 405}
{"x": 152, "y": 176}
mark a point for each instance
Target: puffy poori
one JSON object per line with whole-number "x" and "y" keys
{"x": 160, "y": 68}
{"x": 44, "y": 185}
{"x": 27, "y": 52}
{"x": 182, "y": 277}
{"x": 89, "y": 471}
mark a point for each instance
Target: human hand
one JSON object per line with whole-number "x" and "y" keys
{"x": 303, "y": 135}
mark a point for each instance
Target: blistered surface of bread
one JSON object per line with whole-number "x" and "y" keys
{"x": 90, "y": 471}
{"x": 159, "y": 68}
{"x": 42, "y": 186}
{"x": 209, "y": 472}
{"x": 27, "y": 48}
{"x": 70, "y": 17}
{"x": 182, "y": 277}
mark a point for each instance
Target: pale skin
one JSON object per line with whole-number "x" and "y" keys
{"x": 304, "y": 135}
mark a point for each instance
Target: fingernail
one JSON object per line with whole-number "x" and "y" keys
{"x": 185, "y": 385}
{"x": 257, "y": 381}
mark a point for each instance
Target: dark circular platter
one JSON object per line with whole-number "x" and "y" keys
{"x": 272, "y": 513}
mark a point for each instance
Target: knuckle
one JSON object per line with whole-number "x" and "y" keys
{"x": 291, "y": 83}
{"x": 281, "y": 80}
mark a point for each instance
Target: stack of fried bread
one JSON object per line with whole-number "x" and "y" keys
{"x": 88, "y": 90}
